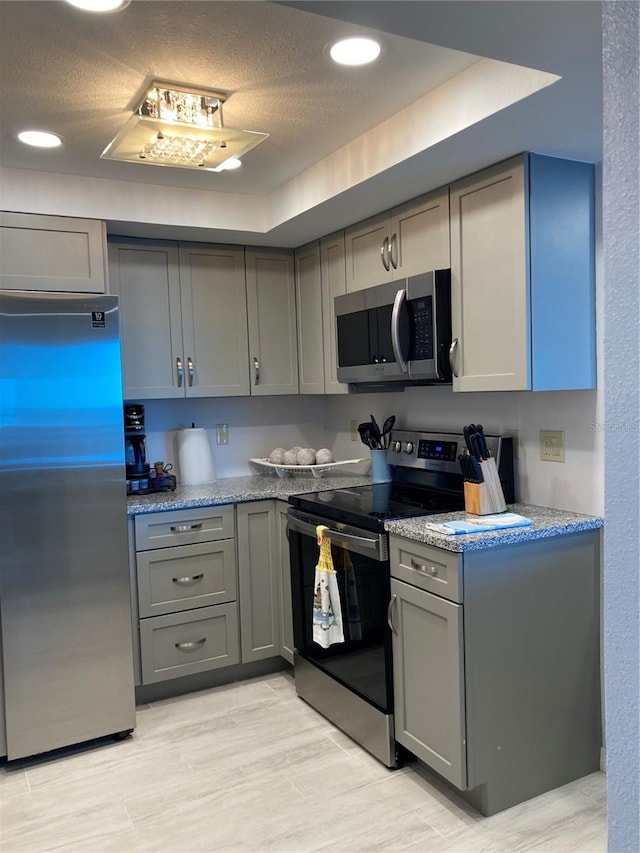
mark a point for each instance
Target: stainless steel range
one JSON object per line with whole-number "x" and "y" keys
{"x": 351, "y": 683}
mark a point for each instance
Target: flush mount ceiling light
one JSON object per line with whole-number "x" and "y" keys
{"x": 181, "y": 126}
{"x": 40, "y": 138}
{"x": 355, "y": 51}
{"x": 99, "y": 5}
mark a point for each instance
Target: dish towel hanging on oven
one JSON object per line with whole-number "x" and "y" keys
{"x": 327, "y": 612}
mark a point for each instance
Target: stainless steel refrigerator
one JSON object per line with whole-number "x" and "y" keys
{"x": 64, "y": 582}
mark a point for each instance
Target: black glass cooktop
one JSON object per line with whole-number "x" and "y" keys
{"x": 371, "y": 506}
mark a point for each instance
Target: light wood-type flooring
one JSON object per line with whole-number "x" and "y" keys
{"x": 251, "y": 767}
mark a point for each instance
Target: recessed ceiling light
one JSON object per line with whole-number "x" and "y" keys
{"x": 355, "y": 51}
{"x": 40, "y": 138}
{"x": 99, "y": 5}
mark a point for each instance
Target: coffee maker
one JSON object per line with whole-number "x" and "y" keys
{"x": 135, "y": 448}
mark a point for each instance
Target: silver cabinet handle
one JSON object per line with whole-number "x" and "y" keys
{"x": 394, "y": 598}
{"x": 393, "y": 251}
{"x": 432, "y": 570}
{"x": 185, "y": 528}
{"x": 191, "y": 646}
{"x": 384, "y": 253}
{"x": 179, "y": 371}
{"x": 395, "y": 330}
{"x": 256, "y": 365}
{"x": 452, "y": 356}
{"x": 190, "y": 371}
{"x": 188, "y": 581}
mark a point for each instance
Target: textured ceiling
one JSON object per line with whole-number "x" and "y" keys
{"x": 344, "y": 144}
{"x": 80, "y": 75}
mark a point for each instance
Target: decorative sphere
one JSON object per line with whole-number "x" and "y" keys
{"x": 276, "y": 457}
{"x": 290, "y": 456}
{"x": 306, "y": 456}
{"x": 324, "y": 456}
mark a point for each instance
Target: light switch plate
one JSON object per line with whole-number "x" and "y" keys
{"x": 551, "y": 445}
{"x": 222, "y": 433}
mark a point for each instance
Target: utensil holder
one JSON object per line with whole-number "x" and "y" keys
{"x": 485, "y": 498}
{"x": 380, "y": 469}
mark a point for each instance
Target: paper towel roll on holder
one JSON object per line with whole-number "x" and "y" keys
{"x": 195, "y": 457}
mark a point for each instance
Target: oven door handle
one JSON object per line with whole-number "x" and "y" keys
{"x": 363, "y": 544}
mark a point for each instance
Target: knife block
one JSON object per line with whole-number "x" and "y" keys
{"x": 485, "y": 498}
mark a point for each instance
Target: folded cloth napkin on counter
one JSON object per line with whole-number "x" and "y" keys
{"x": 481, "y": 524}
{"x": 327, "y": 612}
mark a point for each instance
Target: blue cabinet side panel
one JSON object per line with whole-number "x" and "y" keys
{"x": 561, "y": 199}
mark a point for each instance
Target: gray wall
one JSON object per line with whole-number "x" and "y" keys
{"x": 622, "y": 420}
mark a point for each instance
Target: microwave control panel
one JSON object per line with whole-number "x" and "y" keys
{"x": 421, "y": 311}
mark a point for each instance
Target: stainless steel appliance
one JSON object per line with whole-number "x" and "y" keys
{"x": 399, "y": 332}
{"x": 64, "y": 579}
{"x": 351, "y": 683}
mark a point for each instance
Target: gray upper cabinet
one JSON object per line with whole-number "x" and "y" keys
{"x": 407, "y": 240}
{"x": 258, "y": 571}
{"x": 52, "y": 253}
{"x": 310, "y": 319}
{"x": 522, "y": 276}
{"x": 320, "y": 277}
{"x": 271, "y": 308}
{"x": 334, "y": 283}
{"x": 183, "y": 318}
{"x": 144, "y": 274}
{"x": 214, "y": 320}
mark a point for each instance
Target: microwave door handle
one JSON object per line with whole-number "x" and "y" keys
{"x": 401, "y": 295}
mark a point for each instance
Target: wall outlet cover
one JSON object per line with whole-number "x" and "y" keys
{"x": 551, "y": 445}
{"x": 222, "y": 433}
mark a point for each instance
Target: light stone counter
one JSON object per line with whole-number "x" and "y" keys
{"x": 231, "y": 490}
{"x": 547, "y": 522}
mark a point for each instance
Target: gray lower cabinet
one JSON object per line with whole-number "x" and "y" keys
{"x": 496, "y": 657}
{"x": 186, "y": 643}
{"x": 258, "y": 580}
{"x": 284, "y": 583}
{"x": 186, "y": 592}
{"x": 429, "y": 711}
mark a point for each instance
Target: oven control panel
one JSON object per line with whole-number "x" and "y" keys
{"x": 434, "y": 451}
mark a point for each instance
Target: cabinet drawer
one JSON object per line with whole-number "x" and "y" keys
{"x": 187, "y": 643}
{"x": 174, "y": 579}
{"x": 184, "y": 527}
{"x": 428, "y": 568}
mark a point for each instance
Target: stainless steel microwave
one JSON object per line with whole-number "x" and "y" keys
{"x": 396, "y": 332}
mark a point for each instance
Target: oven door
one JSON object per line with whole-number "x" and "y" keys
{"x": 363, "y": 662}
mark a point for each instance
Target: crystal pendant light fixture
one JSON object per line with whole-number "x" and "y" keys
{"x": 181, "y": 126}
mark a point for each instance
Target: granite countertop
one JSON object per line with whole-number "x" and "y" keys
{"x": 230, "y": 490}
{"x": 547, "y": 522}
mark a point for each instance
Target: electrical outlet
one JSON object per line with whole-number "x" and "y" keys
{"x": 551, "y": 445}
{"x": 222, "y": 433}
{"x": 353, "y": 427}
